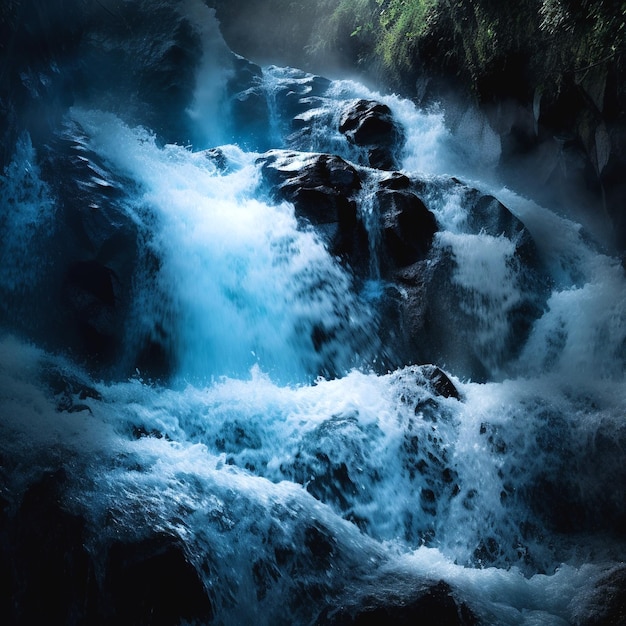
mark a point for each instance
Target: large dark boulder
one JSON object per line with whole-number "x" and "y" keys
{"x": 51, "y": 575}
{"x": 441, "y": 312}
{"x": 38, "y": 37}
{"x": 438, "y": 381}
{"x": 407, "y": 227}
{"x": 607, "y": 606}
{"x": 151, "y": 581}
{"x": 139, "y": 59}
{"x": 77, "y": 296}
{"x": 370, "y": 124}
{"x": 325, "y": 192}
{"x": 486, "y": 214}
{"x": 323, "y": 189}
{"x": 89, "y": 292}
{"x": 88, "y": 286}
{"x": 151, "y": 84}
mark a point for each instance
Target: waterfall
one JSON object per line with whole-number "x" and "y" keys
{"x": 305, "y": 463}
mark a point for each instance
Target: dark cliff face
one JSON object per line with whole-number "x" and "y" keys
{"x": 60, "y": 53}
{"x": 37, "y": 39}
{"x": 63, "y": 52}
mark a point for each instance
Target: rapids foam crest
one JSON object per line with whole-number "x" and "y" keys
{"x": 386, "y": 475}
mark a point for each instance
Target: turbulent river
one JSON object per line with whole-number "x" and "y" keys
{"x": 305, "y": 477}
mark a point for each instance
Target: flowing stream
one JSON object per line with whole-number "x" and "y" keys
{"x": 299, "y": 474}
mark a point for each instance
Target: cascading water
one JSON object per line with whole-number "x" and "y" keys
{"x": 305, "y": 475}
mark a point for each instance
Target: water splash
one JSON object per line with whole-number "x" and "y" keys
{"x": 251, "y": 286}
{"x": 290, "y": 490}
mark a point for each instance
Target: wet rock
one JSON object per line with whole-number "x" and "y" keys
{"x": 488, "y": 215}
{"x": 331, "y": 477}
{"x": 52, "y": 576}
{"x": 155, "y": 83}
{"x": 36, "y": 41}
{"x": 291, "y": 170}
{"x": 370, "y": 124}
{"x": 70, "y": 390}
{"x": 496, "y": 442}
{"x": 432, "y": 294}
{"x": 218, "y": 158}
{"x": 245, "y": 74}
{"x": 250, "y": 118}
{"x": 89, "y": 293}
{"x": 607, "y": 606}
{"x": 299, "y": 93}
{"x": 395, "y": 180}
{"x": 407, "y": 226}
{"x": 248, "y": 105}
{"x": 439, "y": 381}
{"x": 322, "y": 188}
{"x": 151, "y": 581}
{"x": 435, "y": 604}
{"x": 85, "y": 288}
{"x": 87, "y": 284}
{"x": 570, "y": 500}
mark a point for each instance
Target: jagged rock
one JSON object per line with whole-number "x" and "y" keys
{"x": 89, "y": 284}
{"x": 395, "y": 180}
{"x": 370, "y": 124}
{"x": 68, "y": 387}
{"x": 297, "y": 175}
{"x": 613, "y": 183}
{"x": 218, "y": 158}
{"x": 300, "y": 94}
{"x": 488, "y": 215}
{"x": 430, "y": 298}
{"x": 155, "y": 83}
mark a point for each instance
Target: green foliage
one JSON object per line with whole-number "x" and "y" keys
{"x": 588, "y": 31}
{"x": 347, "y": 27}
{"x": 496, "y": 47}
{"x": 402, "y": 24}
